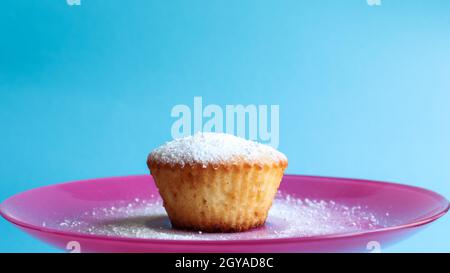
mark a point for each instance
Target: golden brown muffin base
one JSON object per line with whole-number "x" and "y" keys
{"x": 223, "y": 198}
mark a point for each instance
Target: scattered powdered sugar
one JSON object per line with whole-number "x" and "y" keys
{"x": 288, "y": 217}
{"x": 214, "y": 148}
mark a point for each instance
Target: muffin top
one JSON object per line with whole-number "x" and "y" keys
{"x": 215, "y": 149}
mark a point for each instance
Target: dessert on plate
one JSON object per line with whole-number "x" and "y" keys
{"x": 216, "y": 182}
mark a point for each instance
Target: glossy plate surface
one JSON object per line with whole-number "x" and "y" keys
{"x": 405, "y": 209}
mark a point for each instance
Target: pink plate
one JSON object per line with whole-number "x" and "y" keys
{"x": 400, "y": 211}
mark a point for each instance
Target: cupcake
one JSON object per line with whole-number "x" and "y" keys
{"x": 216, "y": 182}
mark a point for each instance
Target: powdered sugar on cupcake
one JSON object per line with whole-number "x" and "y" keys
{"x": 214, "y": 148}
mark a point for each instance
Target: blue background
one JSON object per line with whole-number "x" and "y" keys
{"x": 86, "y": 91}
